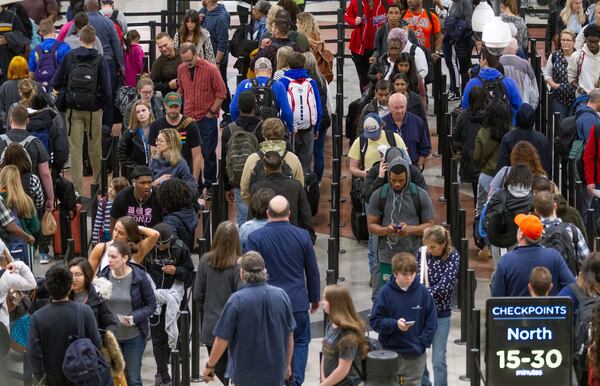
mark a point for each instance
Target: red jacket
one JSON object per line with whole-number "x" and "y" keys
{"x": 199, "y": 94}
{"x": 591, "y": 158}
{"x": 363, "y": 36}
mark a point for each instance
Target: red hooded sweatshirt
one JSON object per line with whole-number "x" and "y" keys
{"x": 363, "y": 35}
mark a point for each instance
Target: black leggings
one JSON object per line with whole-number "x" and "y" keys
{"x": 361, "y": 62}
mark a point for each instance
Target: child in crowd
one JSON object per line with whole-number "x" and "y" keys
{"x": 540, "y": 282}
{"x": 101, "y": 230}
{"x": 404, "y": 315}
{"x": 344, "y": 339}
{"x": 134, "y": 58}
{"x": 406, "y": 65}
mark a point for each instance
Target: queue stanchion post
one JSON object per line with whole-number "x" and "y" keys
{"x": 103, "y": 176}
{"x": 206, "y": 228}
{"x": 195, "y": 353}
{"x": 476, "y": 347}
{"x": 467, "y": 315}
{"x": 95, "y": 192}
{"x": 240, "y": 77}
{"x": 152, "y": 45}
{"x": 571, "y": 185}
{"x": 590, "y": 224}
{"x": 555, "y": 157}
{"x": 597, "y": 243}
{"x": 332, "y": 263}
{"x": 463, "y": 270}
{"x": 163, "y": 20}
{"x": 184, "y": 335}
{"x": 543, "y": 103}
{"x": 564, "y": 177}
{"x": 330, "y": 279}
{"x": 441, "y": 129}
{"x": 444, "y": 151}
{"x": 462, "y": 224}
{"x": 578, "y": 196}
{"x": 532, "y": 52}
{"x": 175, "y": 369}
{"x": 116, "y": 167}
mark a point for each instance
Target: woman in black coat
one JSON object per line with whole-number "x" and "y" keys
{"x": 95, "y": 292}
{"x": 465, "y": 131}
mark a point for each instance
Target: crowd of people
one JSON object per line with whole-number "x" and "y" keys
{"x": 63, "y": 96}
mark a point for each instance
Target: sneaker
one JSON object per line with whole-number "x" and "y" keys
{"x": 453, "y": 96}
{"x": 44, "y": 258}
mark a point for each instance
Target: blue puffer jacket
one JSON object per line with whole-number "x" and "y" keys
{"x": 487, "y": 73}
{"x": 143, "y": 302}
{"x": 161, "y": 166}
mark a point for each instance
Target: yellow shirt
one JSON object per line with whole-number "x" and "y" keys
{"x": 372, "y": 155}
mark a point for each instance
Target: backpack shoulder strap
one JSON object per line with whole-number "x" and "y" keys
{"x": 416, "y": 198}
{"x": 80, "y": 327}
{"x": 383, "y": 193}
{"x": 413, "y": 50}
{"x": 254, "y": 83}
{"x": 391, "y": 138}
{"x": 429, "y": 16}
{"x": 363, "y": 143}
{"x": 114, "y": 15}
{"x": 2, "y": 271}
{"x": 234, "y": 128}
{"x": 27, "y": 141}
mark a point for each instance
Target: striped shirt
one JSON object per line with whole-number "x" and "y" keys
{"x": 101, "y": 230}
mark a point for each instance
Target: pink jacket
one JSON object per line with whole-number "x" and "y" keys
{"x": 134, "y": 64}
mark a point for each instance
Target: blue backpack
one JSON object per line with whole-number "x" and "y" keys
{"x": 47, "y": 64}
{"x": 83, "y": 364}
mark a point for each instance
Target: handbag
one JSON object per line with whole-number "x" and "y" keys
{"x": 48, "y": 223}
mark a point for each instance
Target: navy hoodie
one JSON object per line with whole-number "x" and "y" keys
{"x": 217, "y": 23}
{"x": 487, "y": 73}
{"x": 393, "y": 303}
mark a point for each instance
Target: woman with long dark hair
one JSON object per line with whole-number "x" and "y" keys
{"x": 191, "y": 31}
{"x": 217, "y": 278}
{"x": 497, "y": 122}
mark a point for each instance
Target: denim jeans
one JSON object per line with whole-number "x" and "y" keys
{"x": 301, "y": 341}
{"x": 209, "y": 136}
{"x": 453, "y": 67}
{"x": 241, "y": 209}
{"x": 561, "y": 108}
{"x": 303, "y": 147}
{"x": 133, "y": 351}
{"x": 319, "y": 154}
{"x": 438, "y": 354}
{"x": 372, "y": 253}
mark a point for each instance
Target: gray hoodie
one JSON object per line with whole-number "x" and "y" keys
{"x": 400, "y": 207}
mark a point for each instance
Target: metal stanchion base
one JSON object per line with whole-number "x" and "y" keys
{"x": 342, "y": 251}
{"x": 464, "y": 378}
{"x": 442, "y": 199}
{"x": 343, "y": 199}
{"x": 436, "y": 155}
{"x": 441, "y": 177}
{"x": 459, "y": 342}
{"x": 341, "y": 278}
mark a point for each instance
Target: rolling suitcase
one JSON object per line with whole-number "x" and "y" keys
{"x": 70, "y": 225}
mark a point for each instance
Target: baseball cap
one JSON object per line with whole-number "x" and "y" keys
{"x": 530, "y": 225}
{"x": 165, "y": 233}
{"x": 262, "y": 64}
{"x": 372, "y": 126}
{"x": 173, "y": 99}
{"x": 252, "y": 262}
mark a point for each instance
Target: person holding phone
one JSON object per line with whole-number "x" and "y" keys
{"x": 405, "y": 317}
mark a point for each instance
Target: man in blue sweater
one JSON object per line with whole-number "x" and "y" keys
{"x": 405, "y": 318}
{"x": 306, "y": 107}
{"x": 514, "y": 268}
{"x": 292, "y": 265}
{"x": 263, "y": 69}
{"x": 587, "y": 115}
{"x": 215, "y": 18}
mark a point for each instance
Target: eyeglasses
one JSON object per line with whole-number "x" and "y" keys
{"x": 566, "y": 40}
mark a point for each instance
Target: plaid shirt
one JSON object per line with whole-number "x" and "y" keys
{"x": 200, "y": 93}
{"x": 582, "y": 248}
{"x": 5, "y": 214}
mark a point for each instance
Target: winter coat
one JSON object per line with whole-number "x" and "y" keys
{"x": 183, "y": 223}
{"x": 179, "y": 255}
{"x": 363, "y": 35}
{"x": 111, "y": 351}
{"x": 143, "y": 303}
{"x": 21, "y": 279}
{"x": 467, "y": 127}
{"x": 485, "y": 155}
{"x": 98, "y": 296}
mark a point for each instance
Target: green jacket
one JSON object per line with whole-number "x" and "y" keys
{"x": 486, "y": 152}
{"x": 31, "y": 224}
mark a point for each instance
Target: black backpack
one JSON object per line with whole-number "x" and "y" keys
{"x": 83, "y": 363}
{"x": 360, "y": 364}
{"x": 258, "y": 173}
{"x": 265, "y": 99}
{"x": 82, "y": 87}
{"x": 495, "y": 89}
{"x": 499, "y": 222}
{"x": 567, "y": 134}
{"x": 64, "y": 193}
{"x": 556, "y": 236}
{"x": 582, "y": 335}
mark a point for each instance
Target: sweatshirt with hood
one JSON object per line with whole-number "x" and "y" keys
{"x": 270, "y": 145}
{"x": 161, "y": 166}
{"x": 414, "y": 303}
{"x": 400, "y": 207}
{"x": 585, "y": 68}
{"x": 61, "y": 77}
{"x": 217, "y": 23}
{"x": 49, "y": 120}
{"x": 524, "y": 132}
{"x": 183, "y": 223}
{"x": 487, "y": 73}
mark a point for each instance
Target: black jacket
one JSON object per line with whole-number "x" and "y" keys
{"x": 179, "y": 255}
{"x": 554, "y": 10}
{"x": 131, "y": 151}
{"x": 99, "y": 304}
{"x": 293, "y": 191}
{"x": 49, "y": 119}
{"x": 466, "y": 129}
{"x": 525, "y": 132}
{"x": 61, "y": 78}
